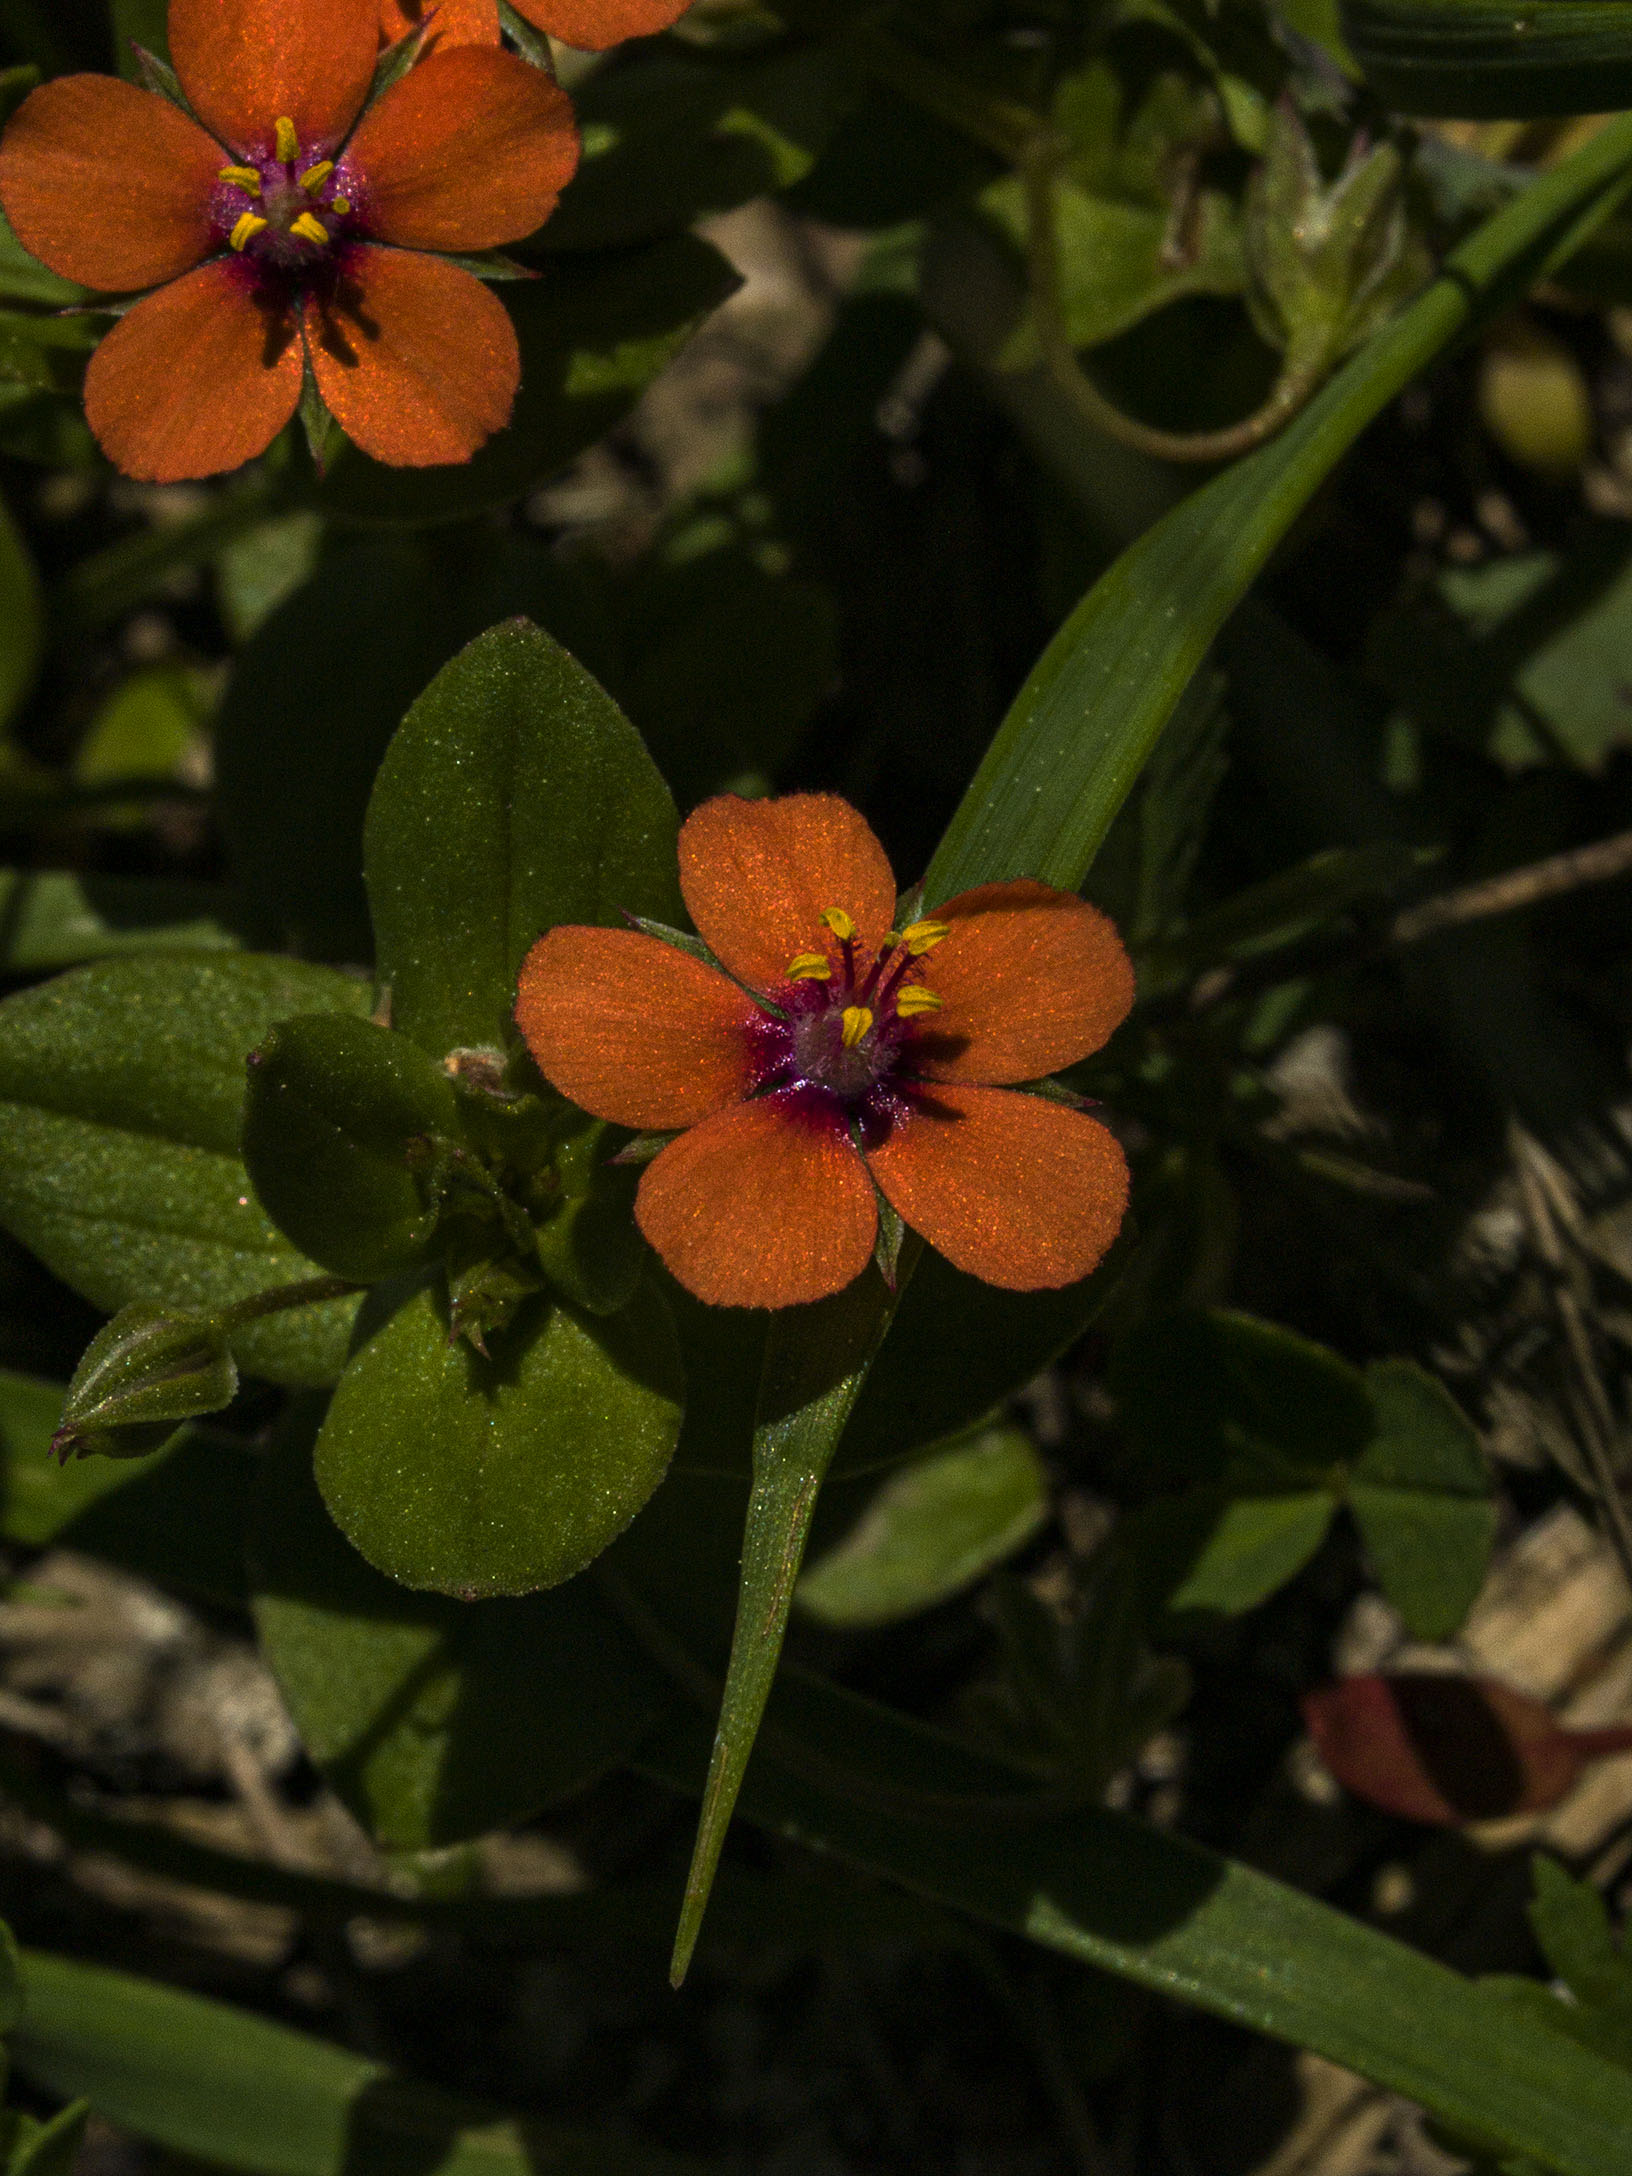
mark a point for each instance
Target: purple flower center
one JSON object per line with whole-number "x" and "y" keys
{"x": 843, "y": 1027}
{"x": 286, "y": 210}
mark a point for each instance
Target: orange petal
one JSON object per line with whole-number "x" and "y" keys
{"x": 457, "y": 22}
{"x": 247, "y": 64}
{"x": 765, "y": 1204}
{"x": 108, "y": 185}
{"x": 757, "y": 876}
{"x": 632, "y": 1029}
{"x": 1030, "y": 979}
{"x": 417, "y": 361}
{"x": 468, "y": 150}
{"x": 593, "y": 25}
{"x": 1024, "y": 1193}
{"x": 197, "y": 378}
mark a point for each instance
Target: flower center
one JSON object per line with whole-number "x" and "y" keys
{"x": 848, "y": 1015}
{"x": 283, "y": 209}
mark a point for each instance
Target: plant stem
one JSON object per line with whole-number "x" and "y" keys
{"x": 1292, "y": 389}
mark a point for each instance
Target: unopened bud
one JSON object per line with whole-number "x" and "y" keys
{"x": 143, "y": 1374}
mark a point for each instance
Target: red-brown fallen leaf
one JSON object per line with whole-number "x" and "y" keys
{"x": 1449, "y": 1749}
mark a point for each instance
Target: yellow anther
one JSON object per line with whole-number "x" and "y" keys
{"x": 922, "y": 937}
{"x": 310, "y": 229}
{"x": 242, "y": 177}
{"x": 835, "y": 919}
{"x": 246, "y": 230}
{"x": 287, "y": 142}
{"x": 315, "y": 176}
{"x": 810, "y": 967}
{"x": 912, "y": 998}
{"x": 340, "y": 204}
{"x": 855, "y": 1023}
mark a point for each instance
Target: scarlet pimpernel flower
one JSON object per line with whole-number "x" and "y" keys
{"x": 832, "y": 1057}
{"x": 286, "y": 231}
{"x": 591, "y": 25}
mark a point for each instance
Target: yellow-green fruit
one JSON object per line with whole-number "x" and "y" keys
{"x": 1534, "y": 400}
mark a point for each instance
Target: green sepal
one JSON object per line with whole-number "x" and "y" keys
{"x": 340, "y": 1119}
{"x": 159, "y": 77}
{"x": 681, "y": 939}
{"x": 324, "y": 437}
{"x": 491, "y": 264}
{"x": 397, "y": 60}
{"x": 531, "y": 44}
{"x": 142, "y": 1375}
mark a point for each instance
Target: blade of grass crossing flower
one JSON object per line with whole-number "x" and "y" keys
{"x": 816, "y": 1360}
{"x": 1059, "y": 768}
{"x": 1068, "y": 753}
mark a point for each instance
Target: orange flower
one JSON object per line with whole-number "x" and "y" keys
{"x": 591, "y": 25}
{"x": 290, "y": 235}
{"x": 835, "y": 1055}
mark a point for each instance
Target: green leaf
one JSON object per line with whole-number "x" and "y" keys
{"x": 261, "y": 569}
{"x": 675, "y": 136}
{"x": 149, "y": 728}
{"x": 225, "y": 2086}
{"x": 1245, "y": 1548}
{"x": 1119, "y": 1894}
{"x": 121, "y": 1099}
{"x": 1079, "y": 732}
{"x": 46, "y": 2149}
{"x": 932, "y": 1530}
{"x": 956, "y": 1349}
{"x": 515, "y": 796}
{"x": 1476, "y": 60}
{"x": 1200, "y": 1394}
{"x": 593, "y": 336}
{"x": 434, "y": 1720}
{"x": 816, "y": 1359}
{"x": 1423, "y": 1499}
{"x": 1572, "y": 1925}
{"x": 143, "y": 1374}
{"x": 50, "y": 919}
{"x": 477, "y": 1477}
{"x": 335, "y": 1109}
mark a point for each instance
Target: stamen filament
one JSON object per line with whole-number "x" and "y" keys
{"x": 315, "y": 176}
{"x": 246, "y": 230}
{"x": 242, "y": 177}
{"x": 286, "y": 141}
{"x": 855, "y": 1022}
{"x": 310, "y": 229}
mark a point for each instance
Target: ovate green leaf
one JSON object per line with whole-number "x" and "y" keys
{"x": 121, "y": 1098}
{"x": 480, "y": 1477}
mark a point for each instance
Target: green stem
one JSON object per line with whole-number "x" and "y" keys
{"x": 310, "y": 1292}
{"x": 1296, "y": 384}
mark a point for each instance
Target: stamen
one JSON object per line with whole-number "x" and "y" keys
{"x": 315, "y": 176}
{"x": 242, "y": 177}
{"x": 923, "y": 937}
{"x": 913, "y": 998}
{"x": 287, "y": 142}
{"x": 340, "y": 204}
{"x": 310, "y": 229}
{"x": 835, "y": 919}
{"x": 246, "y": 230}
{"x": 810, "y": 967}
{"x": 855, "y": 1022}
